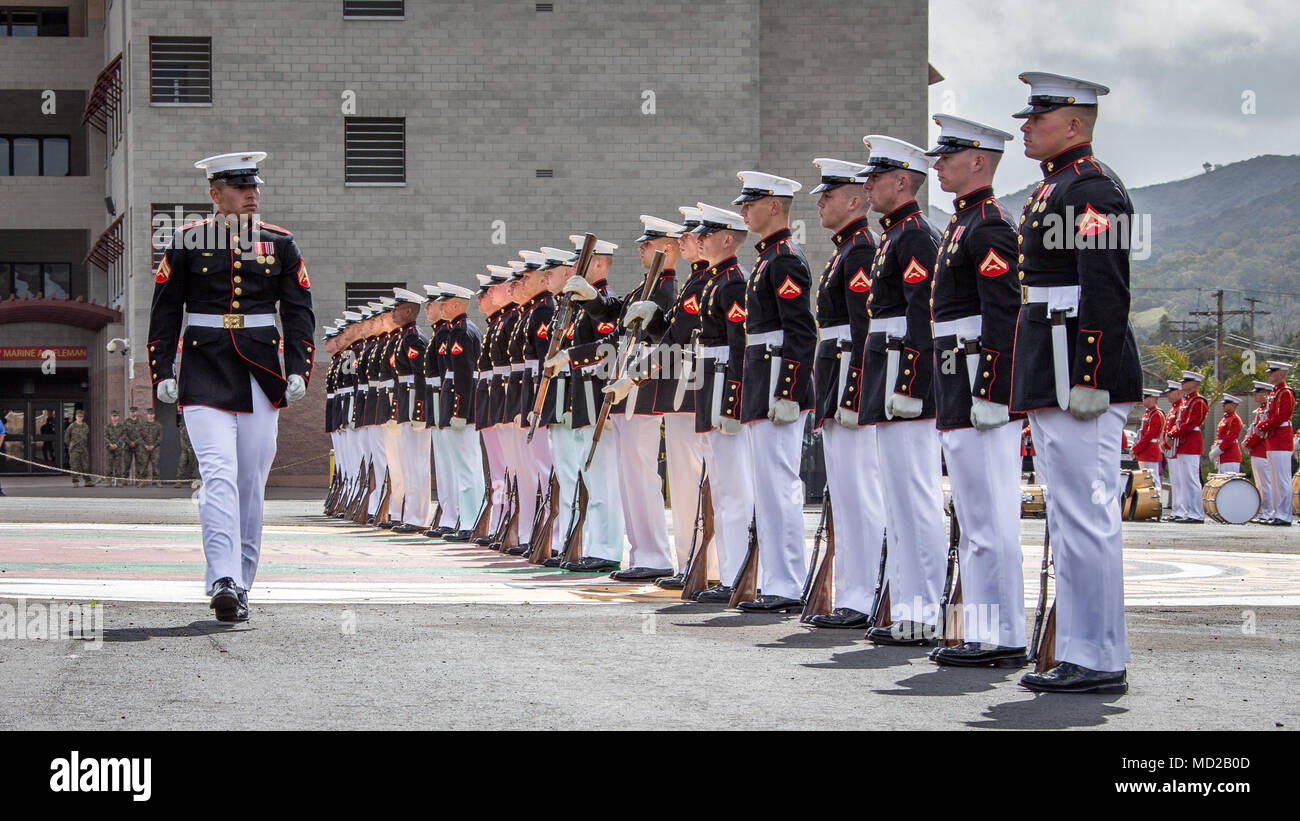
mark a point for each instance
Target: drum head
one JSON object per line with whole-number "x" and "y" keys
{"x": 1237, "y": 501}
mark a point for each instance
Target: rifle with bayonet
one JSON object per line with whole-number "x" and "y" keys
{"x": 696, "y": 575}
{"x": 573, "y": 539}
{"x": 1042, "y": 646}
{"x": 746, "y": 585}
{"x": 540, "y": 546}
{"x": 952, "y": 627}
{"x": 880, "y": 615}
{"x": 651, "y": 281}
{"x": 564, "y": 316}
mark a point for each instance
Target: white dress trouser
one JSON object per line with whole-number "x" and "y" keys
{"x": 1154, "y": 469}
{"x": 396, "y": 472}
{"x": 642, "y": 492}
{"x": 857, "y": 509}
{"x": 984, "y": 471}
{"x": 378, "y": 454}
{"x": 496, "y": 475}
{"x": 602, "y": 533}
{"x": 684, "y": 451}
{"x": 234, "y": 452}
{"x": 1185, "y": 473}
{"x": 444, "y": 479}
{"x": 1264, "y": 483}
{"x": 415, "y": 446}
{"x": 1230, "y": 467}
{"x": 909, "y": 456}
{"x": 1083, "y": 514}
{"x": 775, "y": 451}
{"x": 465, "y": 467}
{"x": 733, "y": 499}
{"x": 1279, "y": 471}
{"x": 567, "y": 455}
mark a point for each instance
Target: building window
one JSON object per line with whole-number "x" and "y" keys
{"x": 374, "y": 9}
{"x": 180, "y": 70}
{"x": 356, "y": 294}
{"x": 166, "y": 217}
{"x": 33, "y": 156}
{"x": 19, "y": 21}
{"x": 26, "y": 279}
{"x": 374, "y": 150}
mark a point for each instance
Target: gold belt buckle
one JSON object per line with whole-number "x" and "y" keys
{"x": 1024, "y": 294}
{"x": 235, "y": 321}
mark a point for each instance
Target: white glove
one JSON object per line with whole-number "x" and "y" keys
{"x": 458, "y": 423}
{"x": 904, "y": 407}
{"x": 642, "y": 311}
{"x": 391, "y": 424}
{"x": 846, "y": 418}
{"x": 1088, "y": 403}
{"x": 619, "y": 388}
{"x": 580, "y": 288}
{"x": 419, "y": 425}
{"x": 783, "y": 411}
{"x": 728, "y": 425}
{"x": 167, "y": 391}
{"x": 296, "y": 390}
{"x": 1215, "y": 453}
{"x": 556, "y": 362}
{"x": 986, "y": 415}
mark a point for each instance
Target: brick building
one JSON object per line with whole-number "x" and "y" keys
{"x": 409, "y": 142}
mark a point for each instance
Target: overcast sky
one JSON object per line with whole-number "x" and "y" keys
{"x": 1177, "y": 70}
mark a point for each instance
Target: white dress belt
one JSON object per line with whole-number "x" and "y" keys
{"x": 500, "y": 370}
{"x": 342, "y": 391}
{"x": 387, "y": 383}
{"x": 219, "y": 321}
{"x": 840, "y": 332}
{"x": 1057, "y": 297}
{"x": 968, "y": 327}
{"x": 719, "y": 352}
{"x": 374, "y": 383}
{"x": 773, "y": 338}
{"x": 407, "y": 379}
{"x": 893, "y": 326}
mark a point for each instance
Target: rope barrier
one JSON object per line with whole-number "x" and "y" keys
{"x": 70, "y": 472}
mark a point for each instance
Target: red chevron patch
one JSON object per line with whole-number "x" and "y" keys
{"x": 412, "y": 353}
{"x": 1092, "y": 223}
{"x": 736, "y": 313}
{"x": 606, "y": 327}
{"x": 302, "y": 275}
{"x": 861, "y": 283}
{"x": 788, "y": 289}
{"x": 164, "y": 272}
{"x": 456, "y": 348}
{"x": 994, "y": 265}
{"x": 915, "y": 272}
{"x": 541, "y": 331}
{"x": 691, "y": 305}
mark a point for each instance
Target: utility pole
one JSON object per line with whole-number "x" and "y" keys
{"x": 1219, "y": 314}
{"x": 1252, "y": 300}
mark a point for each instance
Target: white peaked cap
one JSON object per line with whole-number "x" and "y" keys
{"x": 755, "y": 185}
{"x": 838, "y": 172}
{"x": 655, "y": 227}
{"x": 403, "y": 295}
{"x": 957, "y": 134}
{"x": 888, "y": 153}
{"x": 1193, "y": 376}
{"x": 450, "y": 289}
{"x": 690, "y": 217}
{"x": 713, "y": 218}
{"x": 1051, "y": 91}
{"x": 602, "y": 247}
{"x": 239, "y": 168}
{"x": 533, "y": 259}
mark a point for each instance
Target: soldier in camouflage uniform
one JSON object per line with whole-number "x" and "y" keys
{"x": 115, "y": 442}
{"x": 134, "y": 450}
{"x": 77, "y": 436}
{"x": 146, "y": 457}
{"x": 185, "y": 470}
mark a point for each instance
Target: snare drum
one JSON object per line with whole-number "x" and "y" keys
{"x": 1230, "y": 498}
{"x": 1032, "y": 504}
{"x": 1141, "y": 501}
{"x": 1295, "y": 495}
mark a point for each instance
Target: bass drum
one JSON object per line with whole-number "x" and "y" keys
{"x": 1032, "y": 504}
{"x": 1295, "y": 495}
{"x": 1230, "y": 498}
{"x": 1140, "y": 501}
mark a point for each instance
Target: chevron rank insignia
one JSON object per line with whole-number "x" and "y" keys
{"x": 788, "y": 289}
{"x": 1092, "y": 223}
{"x": 456, "y": 348}
{"x": 691, "y": 305}
{"x": 164, "y": 271}
{"x": 736, "y": 313}
{"x": 861, "y": 283}
{"x": 915, "y": 272}
{"x": 994, "y": 265}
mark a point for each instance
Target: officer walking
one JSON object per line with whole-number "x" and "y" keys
{"x": 853, "y": 474}
{"x": 976, "y": 298}
{"x": 77, "y": 436}
{"x": 1076, "y": 372}
{"x": 231, "y": 385}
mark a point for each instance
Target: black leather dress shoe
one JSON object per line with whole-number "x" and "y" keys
{"x": 370, "y": 520}
{"x": 388, "y": 524}
{"x": 1279, "y": 523}
{"x": 974, "y": 654}
{"x": 771, "y": 604}
{"x": 518, "y": 550}
{"x": 640, "y": 574}
{"x": 841, "y": 617}
{"x": 405, "y": 527}
{"x": 714, "y": 594}
{"x": 589, "y": 564}
{"x": 225, "y": 599}
{"x": 553, "y": 561}
{"x": 432, "y": 533}
{"x": 1071, "y": 678}
{"x": 906, "y": 633}
{"x": 460, "y": 536}
{"x": 1177, "y": 520}
{"x": 483, "y": 541}
{"x": 674, "y": 582}
{"x": 241, "y": 612}
{"x": 444, "y": 530}
{"x": 495, "y": 545}
{"x": 1191, "y": 522}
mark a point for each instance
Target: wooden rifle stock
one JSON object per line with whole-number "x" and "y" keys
{"x": 818, "y": 593}
{"x": 484, "y": 520}
{"x": 511, "y": 537}
{"x": 651, "y": 281}
{"x": 564, "y": 316}
{"x": 540, "y": 549}
{"x": 1045, "y": 659}
{"x": 360, "y": 517}
{"x": 696, "y": 576}
{"x": 746, "y": 586}
{"x": 385, "y": 498}
{"x": 880, "y": 616}
{"x": 573, "y": 539}
{"x": 1042, "y": 644}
